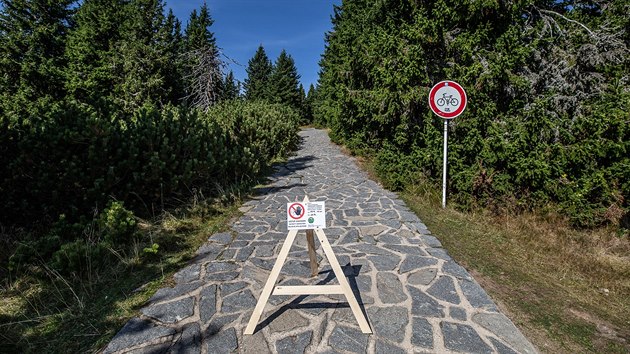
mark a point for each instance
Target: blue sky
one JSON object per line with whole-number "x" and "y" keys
{"x": 241, "y": 25}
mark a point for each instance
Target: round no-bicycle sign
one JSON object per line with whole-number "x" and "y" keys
{"x": 447, "y": 99}
{"x": 296, "y": 211}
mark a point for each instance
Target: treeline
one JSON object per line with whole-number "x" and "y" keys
{"x": 111, "y": 110}
{"x": 548, "y": 85}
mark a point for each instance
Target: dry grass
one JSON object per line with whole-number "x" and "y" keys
{"x": 568, "y": 290}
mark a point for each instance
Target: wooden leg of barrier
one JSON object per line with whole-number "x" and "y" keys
{"x": 310, "y": 239}
{"x": 334, "y": 264}
{"x": 271, "y": 282}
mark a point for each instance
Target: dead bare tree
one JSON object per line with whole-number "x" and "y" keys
{"x": 205, "y": 77}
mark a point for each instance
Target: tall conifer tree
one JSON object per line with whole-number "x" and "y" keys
{"x": 231, "y": 88}
{"x": 285, "y": 82}
{"x": 91, "y": 49}
{"x": 141, "y": 59}
{"x": 259, "y": 69}
{"x": 31, "y": 51}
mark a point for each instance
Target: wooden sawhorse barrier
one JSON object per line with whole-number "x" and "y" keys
{"x": 342, "y": 289}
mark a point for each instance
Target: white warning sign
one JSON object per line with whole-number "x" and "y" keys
{"x": 304, "y": 216}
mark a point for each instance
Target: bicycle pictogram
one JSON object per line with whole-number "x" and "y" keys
{"x": 447, "y": 100}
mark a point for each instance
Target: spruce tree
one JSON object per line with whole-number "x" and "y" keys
{"x": 91, "y": 49}
{"x": 172, "y": 40}
{"x": 231, "y": 88}
{"x": 284, "y": 83}
{"x": 141, "y": 59}
{"x": 31, "y": 51}
{"x": 259, "y": 70}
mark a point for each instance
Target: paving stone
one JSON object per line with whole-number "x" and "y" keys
{"x": 388, "y": 214}
{"x": 407, "y": 250}
{"x": 222, "y": 342}
{"x": 389, "y": 239}
{"x": 294, "y": 344}
{"x": 222, "y": 237}
{"x": 476, "y": 296}
{"x": 228, "y": 288}
{"x": 352, "y": 236}
{"x": 423, "y": 305}
{"x": 412, "y": 262}
{"x": 286, "y": 321}
{"x": 463, "y": 338}
{"x": 166, "y": 294}
{"x": 501, "y": 348}
{"x": 452, "y": 268}
{"x": 384, "y": 263}
{"x": 218, "y": 324}
{"x": 136, "y": 332}
{"x": 254, "y": 344}
{"x": 439, "y": 253}
{"x": 351, "y": 212}
{"x": 265, "y": 264}
{"x": 210, "y": 251}
{"x": 406, "y": 234}
{"x": 370, "y": 249}
{"x": 348, "y": 339}
{"x": 216, "y": 267}
{"x": 430, "y": 241}
{"x": 421, "y": 333}
{"x": 221, "y": 276}
{"x": 504, "y": 328}
{"x": 444, "y": 289}
{"x": 297, "y": 268}
{"x": 344, "y": 314}
{"x": 237, "y": 245}
{"x": 188, "y": 274}
{"x": 390, "y": 289}
{"x": 160, "y": 348}
{"x": 245, "y": 236}
{"x": 458, "y": 313}
{"x": 389, "y": 322}
{"x": 227, "y": 254}
{"x": 244, "y": 253}
{"x": 422, "y": 276}
{"x": 207, "y": 303}
{"x": 171, "y": 312}
{"x": 190, "y": 340}
{"x": 392, "y": 224}
{"x": 238, "y": 301}
{"x": 264, "y": 250}
{"x": 371, "y": 230}
{"x": 382, "y": 347}
{"x": 408, "y": 216}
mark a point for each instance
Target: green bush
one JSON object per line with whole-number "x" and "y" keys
{"x": 70, "y": 159}
{"x": 118, "y": 225}
{"x": 546, "y": 122}
{"x": 80, "y": 256}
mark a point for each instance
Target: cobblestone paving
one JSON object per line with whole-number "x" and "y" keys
{"x": 415, "y": 297}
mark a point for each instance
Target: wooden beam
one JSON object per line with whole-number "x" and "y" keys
{"x": 308, "y": 290}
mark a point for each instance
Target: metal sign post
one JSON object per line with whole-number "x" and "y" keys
{"x": 444, "y": 163}
{"x": 447, "y": 99}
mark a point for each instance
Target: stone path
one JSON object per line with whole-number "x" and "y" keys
{"x": 415, "y": 297}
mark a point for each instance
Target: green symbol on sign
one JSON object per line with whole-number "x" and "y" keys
{"x": 311, "y": 220}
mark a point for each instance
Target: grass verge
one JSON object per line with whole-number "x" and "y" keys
{"x": 567, "y": 290}
{"x": 45, "y": 312}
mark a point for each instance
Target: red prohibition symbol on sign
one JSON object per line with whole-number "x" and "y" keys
{"x": 447, "y": 99}
{"x": 296, "y": 211}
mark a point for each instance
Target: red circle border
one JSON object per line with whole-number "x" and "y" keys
{"x": 298, "y": 218}
{"x": 459, "y": 89}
